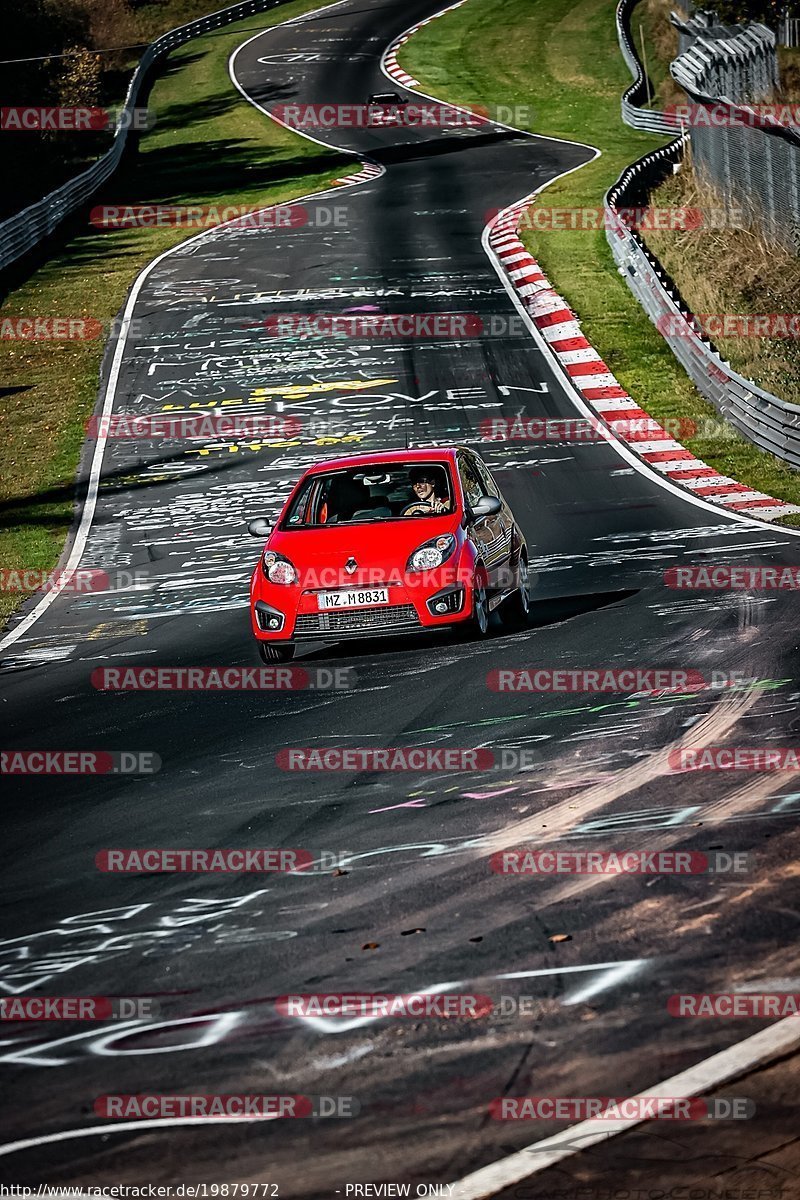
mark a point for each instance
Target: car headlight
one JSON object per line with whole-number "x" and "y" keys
{"x": 432, "y": 554}
{"x": 277, "y": 568}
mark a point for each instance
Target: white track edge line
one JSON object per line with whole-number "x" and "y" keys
{"x": 702, "y": 1078}
{"x": 66, "y": 1135}
{"x": 90, "y": 502}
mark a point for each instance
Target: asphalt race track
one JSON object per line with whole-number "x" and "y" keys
{"x": 414, "y": 903}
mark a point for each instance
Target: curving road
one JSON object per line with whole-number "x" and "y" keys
{"x": 415, "y": 904}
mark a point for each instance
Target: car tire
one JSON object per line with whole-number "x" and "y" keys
{"x": 516, "y": 609}
{"x": 272, "y": 652}
{"x": 478, "y": 624}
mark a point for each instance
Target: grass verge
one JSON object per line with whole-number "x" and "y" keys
{"x": 209, "y": 147}
{"x": 96, "y": 46}
{"x": 733, "y": 271}
{"x": 737, "y": 271}
{"x": 661, "y": 45}
{"x": 568, "y": 68}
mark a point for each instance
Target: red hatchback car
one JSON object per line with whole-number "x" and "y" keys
{"x": 404, "y": 541}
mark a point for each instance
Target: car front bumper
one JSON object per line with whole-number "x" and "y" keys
{"x": 411, "y": 609}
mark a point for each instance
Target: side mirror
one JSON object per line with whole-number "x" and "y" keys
{"x": 487, "y": 506}
{"x": 260, "y": 527}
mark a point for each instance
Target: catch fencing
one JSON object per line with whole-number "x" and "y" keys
{"x": 767, "y": 421}
{"x": 789, "y": 31}
{"x": 770, "y": 423}
{"x": 751, "y": 157}
{"x": 27, "y": 229}
{"x": 740, "y": 64}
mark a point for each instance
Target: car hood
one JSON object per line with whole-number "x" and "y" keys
{"x": 381, "y": 546}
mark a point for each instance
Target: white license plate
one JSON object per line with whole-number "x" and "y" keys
{"x": 355, "y": 598}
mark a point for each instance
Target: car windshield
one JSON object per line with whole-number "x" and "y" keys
{"x": 379, "y": 492}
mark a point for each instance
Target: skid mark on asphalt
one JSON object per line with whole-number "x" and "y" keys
{"x": 710, "y": 729}
{"x": 743, "y": 800}
{"x": 557, "y": 821}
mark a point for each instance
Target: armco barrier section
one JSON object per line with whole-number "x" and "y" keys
{"x": 751, "y": 158}
{"x": 648, "y": 120}
{"x": 25, "y": 230}
{"x": 742, "y": 66}
{"x": 762, "y": 418}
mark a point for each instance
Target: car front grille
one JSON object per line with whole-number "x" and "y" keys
{"x": 391, "y": 616}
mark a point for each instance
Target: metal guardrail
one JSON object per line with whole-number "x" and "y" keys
{"x": 789, "y": 31}
{"x": 751, "y": 157}
{"x": 25, "y": 230}
{"x": 743, "y": 66}
{"x": 764, "y": 419}
{"x": 646, "y": 119}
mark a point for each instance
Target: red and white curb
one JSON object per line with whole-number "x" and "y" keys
{"x": 393, "y": 68}
{"x": 560, "y": 327}
{"x": 390, "y": 64}
{"x": 368, "y": 171}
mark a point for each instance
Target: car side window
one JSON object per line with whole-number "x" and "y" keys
{"x": 470, "y": 481}
{"x": 298, "y": 513}
{"x": 489, "y": 485}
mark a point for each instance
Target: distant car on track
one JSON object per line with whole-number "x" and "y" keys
{"x": 385, "y": 98}
{"x": 386, "y": 108}
{"x": 399, "y": 542}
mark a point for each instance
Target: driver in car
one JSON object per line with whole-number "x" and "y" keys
{"x": 423, "y": 485}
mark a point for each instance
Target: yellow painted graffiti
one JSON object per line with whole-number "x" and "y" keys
{"x": 108, "y": 629}
{"x": 300, "y": 391}
{"x": 276, "y": 444}
{"x": 293, "y": 391}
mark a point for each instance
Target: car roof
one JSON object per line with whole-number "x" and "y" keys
{"x": 434, "y": 454}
